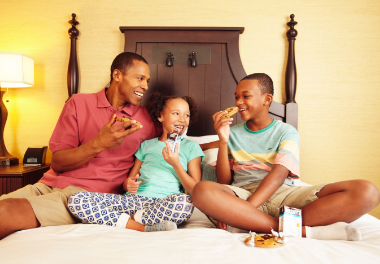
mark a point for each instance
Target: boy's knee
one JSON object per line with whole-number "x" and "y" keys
{"x": 200, "y": 191}
{"x": 369, "y": 193}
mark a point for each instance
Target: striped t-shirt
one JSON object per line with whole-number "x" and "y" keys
{"x": 252, "y": 153}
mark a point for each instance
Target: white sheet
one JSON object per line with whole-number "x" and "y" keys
{"x": 192, "y": 243}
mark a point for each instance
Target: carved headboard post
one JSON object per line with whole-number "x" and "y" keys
{"x": 291, "y": 106}
{"x": 72, "y": 73}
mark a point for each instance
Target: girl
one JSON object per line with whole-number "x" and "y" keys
{"x": 153, "y": 200}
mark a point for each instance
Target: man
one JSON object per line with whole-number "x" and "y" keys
{"x": 91, "y": 150}
{"x": 259, "y": 158}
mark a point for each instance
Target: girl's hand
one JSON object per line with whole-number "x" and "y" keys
{"x": 169, "y": 157}
{"x": 221, "y": 225}
{"x": 133, "y": 184}
{"x": 222, "y": 126}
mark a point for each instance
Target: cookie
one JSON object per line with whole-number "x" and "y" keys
{"x": 124, "y": 119}
{"x": 231, "y": 111}
{"x": 266, "y": 241}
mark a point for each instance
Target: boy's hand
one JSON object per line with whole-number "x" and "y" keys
{"x": 221, "y": 225}
{"x": 222, "y": 126}
{"x": 133, "y": 184}
{"x": 169, "y": 157}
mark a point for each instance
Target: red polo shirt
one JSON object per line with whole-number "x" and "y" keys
{"x": 82, "y": 117}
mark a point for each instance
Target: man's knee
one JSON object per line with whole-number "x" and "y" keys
{"x": 18, "y": 211}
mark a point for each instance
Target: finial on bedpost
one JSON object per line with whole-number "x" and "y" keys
{"x": 291, "y": 115}
{"x": 73, "y": 72}
{"x": 73, "y": 31}
{"x": 291, "y": 72}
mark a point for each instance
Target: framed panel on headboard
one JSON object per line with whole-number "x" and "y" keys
{"x": 212, "y": 82}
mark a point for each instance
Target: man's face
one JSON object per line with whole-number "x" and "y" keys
{"x": 250, "y": 100}
{"x": 134, "y": 83}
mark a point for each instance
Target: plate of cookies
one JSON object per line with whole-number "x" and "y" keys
{"x": 273, "y": 240}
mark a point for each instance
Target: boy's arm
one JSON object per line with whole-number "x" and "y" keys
{"x": 269, "y": 185}
{"x": 223, "y": 171}
{"x": 222, "y": 128}
{"x": 131, "y": 184}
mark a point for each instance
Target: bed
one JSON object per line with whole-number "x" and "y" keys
{"x": 197, "y": 240}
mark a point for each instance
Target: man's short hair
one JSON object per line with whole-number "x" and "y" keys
{"x": 265, "y": 82}
{"x": 124, "y": 61}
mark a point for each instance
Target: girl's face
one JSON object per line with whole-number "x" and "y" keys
{"x": 175, "y": 115}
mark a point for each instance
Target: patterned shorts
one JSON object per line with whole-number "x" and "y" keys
{"x": 106, "y": 208}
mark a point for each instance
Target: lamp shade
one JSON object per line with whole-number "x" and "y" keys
{"x": 16, "y": 70}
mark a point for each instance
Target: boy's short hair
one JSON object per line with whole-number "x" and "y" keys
{"x": 124, "y": 61}
{"x": 265, "y": 82}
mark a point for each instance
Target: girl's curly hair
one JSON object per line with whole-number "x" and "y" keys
{"x": 156, "y": 102}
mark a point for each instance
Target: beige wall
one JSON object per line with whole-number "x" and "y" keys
{"x": 337, "y": 55}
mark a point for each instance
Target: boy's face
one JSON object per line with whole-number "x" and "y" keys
{"x": 252, "y": 103}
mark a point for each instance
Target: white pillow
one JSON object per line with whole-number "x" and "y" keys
{"x": 210, "y": 154}
{"x": 203, "y": 139}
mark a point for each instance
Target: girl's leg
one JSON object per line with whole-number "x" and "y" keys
{"x": 104, "y": 208}
{"x": 176, "y": 208}
{"x": 112, "y": 210}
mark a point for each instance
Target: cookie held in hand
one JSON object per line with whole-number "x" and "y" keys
{"x": 124, "y": 119}
{"x": 231, "y": 111}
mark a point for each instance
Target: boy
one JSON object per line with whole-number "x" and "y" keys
{"x": 259, "y": 158}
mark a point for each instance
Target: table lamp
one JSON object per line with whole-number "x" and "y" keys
{"x": 16, "y": 70}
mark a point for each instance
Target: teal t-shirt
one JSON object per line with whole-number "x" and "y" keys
{"x": 253, "y": 153}
{"x": 158, "y": 178}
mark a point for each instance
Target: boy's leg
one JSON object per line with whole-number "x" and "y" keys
{"x": 221, "y": 203}
{"x": 176, "y": 208}
{"x": 341, "y": 202}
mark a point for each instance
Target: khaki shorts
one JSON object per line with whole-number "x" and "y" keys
{"x": 49, "y": 203}
{"x": 297, "y": 196}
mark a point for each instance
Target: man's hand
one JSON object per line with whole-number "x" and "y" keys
{"x": 221, "y": 225}
{"x": 222, "y": 126}
{"x": 133, "y": 184}
{"x": 169, "y": 157}
{"x": 112, "y": 136}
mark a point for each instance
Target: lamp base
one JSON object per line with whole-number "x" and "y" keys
{"x": 8, "y": 161}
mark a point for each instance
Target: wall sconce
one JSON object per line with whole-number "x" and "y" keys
{"x": 169, "y": 60}
{"x": 193, "y": 59}
{"x": 16, "y": 70}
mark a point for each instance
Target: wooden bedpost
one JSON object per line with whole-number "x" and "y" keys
{"x": 73, "y": 73}
{"x": 291, "y": 106}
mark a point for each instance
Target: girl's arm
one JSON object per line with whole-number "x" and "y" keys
{"x": 130, "y": 184}
{"x": 188, "y": 180}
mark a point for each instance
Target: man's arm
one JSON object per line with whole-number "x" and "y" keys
{"x": 269, "y": 185}
{"x": 108, "y": 138}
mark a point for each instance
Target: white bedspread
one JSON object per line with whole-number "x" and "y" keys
{"x": 196, "y": 242}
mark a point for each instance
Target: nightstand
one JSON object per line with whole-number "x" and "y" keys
{"x": 16, "y": 176}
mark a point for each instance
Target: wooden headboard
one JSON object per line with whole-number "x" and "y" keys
{"x": 212, "y": 81}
